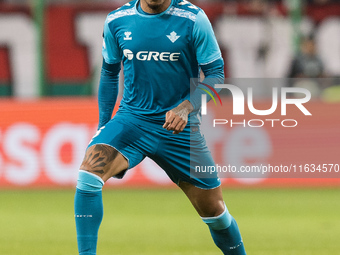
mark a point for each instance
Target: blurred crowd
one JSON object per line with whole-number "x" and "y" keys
{"x": 273, "y": 7}
{"x": 305, "y": 64}
{"x": 253, "y": 4}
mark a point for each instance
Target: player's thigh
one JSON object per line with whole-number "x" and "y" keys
{"x": 180, "y": 155}
{"x": 104, "y": 161}
{"x": 115, "y": 148}
{"x": 207, "y": 202}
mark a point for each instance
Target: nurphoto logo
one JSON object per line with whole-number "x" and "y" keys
{"x": 238, "y": 99}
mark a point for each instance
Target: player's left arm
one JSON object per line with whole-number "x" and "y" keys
{"x": 209, "y": 57}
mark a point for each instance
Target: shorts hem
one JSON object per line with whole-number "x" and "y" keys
{"x": 219, "y": 185}
{"x": 200, "y": 187}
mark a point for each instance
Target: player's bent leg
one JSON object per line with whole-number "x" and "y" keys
{"x": 213, "y": 211}
{"x": 100, "y": 163}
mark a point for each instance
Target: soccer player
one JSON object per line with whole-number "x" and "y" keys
{"x": 162, "y": 45}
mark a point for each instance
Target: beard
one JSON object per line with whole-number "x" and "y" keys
{"x": 155, "y": 4}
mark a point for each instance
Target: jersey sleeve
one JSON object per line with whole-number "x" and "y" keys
{"x": 110, "y": 50}
{"x": 108, "y": 91}
{"x": 205, "y": 43}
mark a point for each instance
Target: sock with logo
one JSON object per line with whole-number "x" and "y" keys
{"x": 225, "y": 233}
{"x": 88, "y": 208}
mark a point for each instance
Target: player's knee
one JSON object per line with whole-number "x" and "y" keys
{"x": 211, "y": 208}
{"x": 221, "y": 221}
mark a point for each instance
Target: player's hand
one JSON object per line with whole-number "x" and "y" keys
{"x": 177, "y": 118}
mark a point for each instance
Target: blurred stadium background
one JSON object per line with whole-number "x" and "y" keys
{"x": 50, "y": 59}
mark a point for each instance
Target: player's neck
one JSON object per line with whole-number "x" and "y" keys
{"x": 154, "y": 6}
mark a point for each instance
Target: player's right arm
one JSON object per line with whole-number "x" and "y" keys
{"x": 109, "y": 77}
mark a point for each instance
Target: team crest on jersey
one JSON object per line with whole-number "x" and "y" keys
{"x": 127, "y": 36}
{"x": 173, "y": 36}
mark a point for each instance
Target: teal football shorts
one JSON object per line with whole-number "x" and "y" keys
{"x": 177, "y": 154}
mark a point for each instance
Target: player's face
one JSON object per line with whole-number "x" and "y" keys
{"x": 155, "y": 6}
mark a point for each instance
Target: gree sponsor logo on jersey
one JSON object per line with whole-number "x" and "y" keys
{"x": 152, "y": 56}
{"x": 128, "y": 54}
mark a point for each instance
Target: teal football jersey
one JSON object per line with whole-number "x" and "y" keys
{"x": 160, "y": 54}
